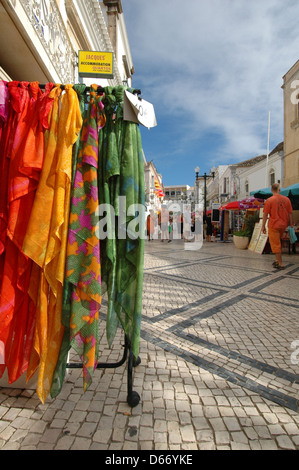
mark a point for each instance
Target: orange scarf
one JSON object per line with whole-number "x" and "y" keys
{"x": 46, "y": 237}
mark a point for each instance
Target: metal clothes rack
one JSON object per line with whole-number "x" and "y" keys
{"x": 133, "y": 397}
{"x": 100, "y": 89}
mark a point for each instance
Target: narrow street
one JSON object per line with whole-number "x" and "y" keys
{"x": 219, "y": 367}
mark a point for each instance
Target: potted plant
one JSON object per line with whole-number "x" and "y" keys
{"x": 242, "y": 237}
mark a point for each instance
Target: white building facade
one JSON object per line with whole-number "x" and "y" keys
{"x": 40, "y": 39}
{"x": 181, "y": 194}
{"x": 261, "y": 174}
{"x": 153, "y": 201}
{"x": 235, "y": 182}
{"x": 216, "y": 187}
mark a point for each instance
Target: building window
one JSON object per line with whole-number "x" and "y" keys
{"x": 225, "y": 185}
{"x": 272, "y": 177}
{"x": 295, "y": 123}
{"x": 166, "y": 193}
{"x": 247, "y": 187}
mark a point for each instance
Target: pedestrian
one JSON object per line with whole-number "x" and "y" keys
{"x": 170, "y": 229}
{"x": 198, "y": 227}
{"x": 164, "y": 224}
{"x": 176, "y": 226}
{"x": 205, "y": 225}
{"x": 151, "y": 223}
{"x": 280, "y": 212}
{"x": 187, "y": 223}
{"x": 209, "y": 230}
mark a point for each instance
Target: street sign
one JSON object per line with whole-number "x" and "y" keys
{"x": 216, "y": 212}
{"x": 95, "y": 64}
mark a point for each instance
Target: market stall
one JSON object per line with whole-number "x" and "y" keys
{"x": 240, "y": 211}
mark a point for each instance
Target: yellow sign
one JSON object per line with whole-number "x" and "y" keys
{"x": 96, "y": 64}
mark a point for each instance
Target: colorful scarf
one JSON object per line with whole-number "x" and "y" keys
{"x": 82, "y": 295}
{"x": 24, "y": 150}
{"x": 122, "y": 175}
{"x": 46, "y": 237}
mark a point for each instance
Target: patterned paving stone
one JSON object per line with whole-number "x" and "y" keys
{"x": 216, "y": 371}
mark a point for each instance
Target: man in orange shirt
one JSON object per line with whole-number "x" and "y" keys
{"x": 279, "y": 209}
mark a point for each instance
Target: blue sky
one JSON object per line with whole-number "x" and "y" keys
{"x": 213, "y": 71}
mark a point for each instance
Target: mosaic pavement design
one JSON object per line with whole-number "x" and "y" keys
{"x": 232, "y": 315}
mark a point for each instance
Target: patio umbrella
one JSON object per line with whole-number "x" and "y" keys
{"x": 230, "y": 206}
{"x": 290, "y": 191}
{"x": 251, "y": 202}
{"x": 264, "y": 193}
{"x": 247, "y": 203}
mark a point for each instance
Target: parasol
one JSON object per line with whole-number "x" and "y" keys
{"x": 290, "y": 191}
{"x": 244, "y": 204}
{"x": 230, "y": 206}
{"x": 262, "y": 193}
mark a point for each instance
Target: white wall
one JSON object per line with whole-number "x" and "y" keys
{"x": 258, "y": 176}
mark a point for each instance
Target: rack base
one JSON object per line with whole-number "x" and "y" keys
{"x": 133, "y": 397}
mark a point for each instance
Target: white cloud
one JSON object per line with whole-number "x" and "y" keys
{"x": 217, "y": 65}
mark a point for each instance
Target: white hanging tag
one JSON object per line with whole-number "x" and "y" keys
{"x": 139, "y": 111}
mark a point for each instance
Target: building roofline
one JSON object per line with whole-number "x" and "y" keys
{"x": 259, "y": 158}
{"x": 293, "y": 66}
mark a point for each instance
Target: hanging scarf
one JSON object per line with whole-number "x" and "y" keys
{"x": 36, "y": 239}
{"x": 4, "y": 104}
{"x": 25, "y": 152}
{"x": 47, "y": 235}
{"x": 83, "y": 269}
{"x": 122, "y": 174}
{"x": 59, "y": 372}
{"x": 7, "y": 114}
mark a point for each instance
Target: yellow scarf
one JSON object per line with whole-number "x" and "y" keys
{"x": 46, "y": 237}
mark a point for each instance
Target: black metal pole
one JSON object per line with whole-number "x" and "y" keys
{"x": 205, "y": 176}
{"x": 205, "y": 201}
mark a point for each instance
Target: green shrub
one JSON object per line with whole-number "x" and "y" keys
{"x": 249, "y": 225}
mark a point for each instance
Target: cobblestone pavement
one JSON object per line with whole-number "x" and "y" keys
{"x": 218, "y": 365}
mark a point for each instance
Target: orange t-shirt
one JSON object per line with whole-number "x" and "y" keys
{"x": 278, "y": 207}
